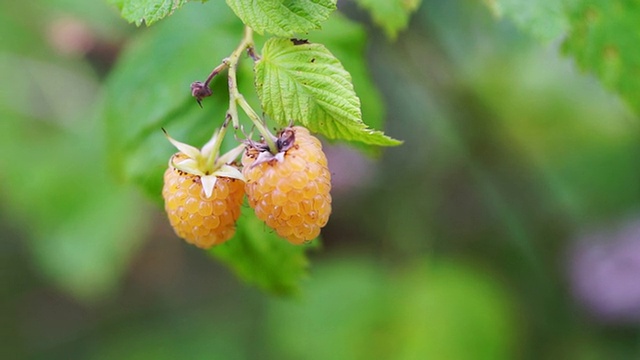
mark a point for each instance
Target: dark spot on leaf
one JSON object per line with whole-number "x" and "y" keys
{"x": 299, "y": 41}
{"x": 313, "y": 60}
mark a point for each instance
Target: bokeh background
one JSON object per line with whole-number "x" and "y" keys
{"x": 506, "y": 227}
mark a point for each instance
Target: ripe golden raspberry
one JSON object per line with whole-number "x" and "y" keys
{"x": 289, "y": 191}
{"x": 202, "y": 193}
{"x": 201, "y": 220}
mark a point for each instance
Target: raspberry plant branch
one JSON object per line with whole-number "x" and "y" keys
{"x": 235, "y": 97}
{"x": 215, "y": 72}
{"x": 232, "y": 63}
{"x": 201, "y": 90}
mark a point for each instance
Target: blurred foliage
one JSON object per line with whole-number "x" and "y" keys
{"x": 421, "y": 311}
{"x": 456, "y": 246}
{"x": 600, "y": 36}
{"x": 544, "y": 19}
{"x": 60, "y": 191}
{"x": 146, "y": 11}
{"x": 602, "y": 39}
{"x": 391, "y": 15}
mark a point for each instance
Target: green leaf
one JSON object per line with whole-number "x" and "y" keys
{"x": 391, "y": 15}
{"x": 259, "y": 256}
{"x": 544, "y": 19}
{"x": 149, "y": 89}
{"x": 147, "y": 11}
{"x": 604, "y": 39}
{"x": 306, "y": 83}
{"x": 282, "y": 17}
{"x": 347, "y": 40}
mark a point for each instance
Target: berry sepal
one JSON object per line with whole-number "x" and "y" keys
{"x": 283, "y": 142}
{"x": 205, "y": 162}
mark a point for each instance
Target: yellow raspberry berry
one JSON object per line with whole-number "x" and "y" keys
{"x": 203, "y": 193}
{"x": 289, "y": 191}
{"x": 200, "y": 220}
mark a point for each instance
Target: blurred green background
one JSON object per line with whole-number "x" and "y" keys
{"x": 506, "y": 227}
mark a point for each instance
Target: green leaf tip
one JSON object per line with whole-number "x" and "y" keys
{"x": 280, "y": 17}
{"x": 304, "y": 82}
{"x": 543, "y": 19}
{"x": 603, "y": 39}
{"x": 147, "y": 11}
{"x": 391, "y": 15}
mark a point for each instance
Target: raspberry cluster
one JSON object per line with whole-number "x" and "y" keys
{"x": 288, "y": 188}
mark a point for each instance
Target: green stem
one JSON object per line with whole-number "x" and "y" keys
{"x": 258, "y": 123}
{"x": 235, "y": 97}
{"x": 215, "y": 72}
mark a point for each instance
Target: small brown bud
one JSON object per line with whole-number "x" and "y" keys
{"x": 200, "y": 91}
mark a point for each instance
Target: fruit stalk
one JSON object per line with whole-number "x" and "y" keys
{"x": 235, "y": 97}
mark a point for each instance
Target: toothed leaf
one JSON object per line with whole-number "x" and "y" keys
{"x": 304, "y": 82}
{"x": 147, "y": 11}
{"x": 280, "y": 17}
